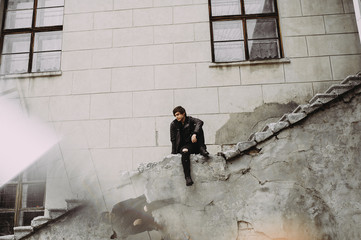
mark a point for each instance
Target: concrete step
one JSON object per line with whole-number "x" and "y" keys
{"x": 307, "y": 108}
{"x": 56, "y": 212}
{"x": 338, "y": 89}
{"x": 323, "y": 98}
{"x": 39, "y": 221}
{"x": 352, "y": 80}
{"x": 261, "y": 136}
{"x": 243, "y": 146}
{"x": 20, "y": 232}
{"x": 276, "y": 127}
{"x": 7, "y": 237}
{"x": 295, "y": 117}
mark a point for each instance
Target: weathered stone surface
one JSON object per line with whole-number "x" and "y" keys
{"x": 241, "y": 125}
{"x": 302, "y": 185}
{"x": 39, "y": 221}
{"x": 261, "y": 136}
{"x": 54, "y": 213}
{"x": 308, "y": 108}
{"x": 242, "y": 146}
{"x": 8, "y": 237}
{"x": 352, "y": 80}
{"x": 314, "y": 106}
{"x": 338, "y": 89}
{"x": 73, "y": 203}
{"x": 295, "y": 117}
{"x": 20, "y": 232}
{"x": 229, "y": 154}
{"x": 278, "y": 126}
{"x": 86, "y": 223}
{"x": 323, "y": 98}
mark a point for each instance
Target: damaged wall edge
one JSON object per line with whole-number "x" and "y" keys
{"x": 347, "y": 88}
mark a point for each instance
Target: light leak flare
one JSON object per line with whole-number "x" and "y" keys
{"x": 22, "y": 140}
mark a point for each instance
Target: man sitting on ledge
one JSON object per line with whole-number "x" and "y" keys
{"x": 187, "y": 137}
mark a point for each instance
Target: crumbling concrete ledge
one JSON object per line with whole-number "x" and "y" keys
{"x": 301, "y": 112}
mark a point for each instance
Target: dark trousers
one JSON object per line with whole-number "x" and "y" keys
{"x": 192, "y": 148}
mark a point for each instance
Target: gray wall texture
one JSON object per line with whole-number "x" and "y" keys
{"x": 303, "y": 183}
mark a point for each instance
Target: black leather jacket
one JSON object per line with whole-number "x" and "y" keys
{"x": 191, "y": 126}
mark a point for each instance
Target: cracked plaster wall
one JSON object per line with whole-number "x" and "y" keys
{"x": 302, "y": 184}
{"x": 241, "y": 125}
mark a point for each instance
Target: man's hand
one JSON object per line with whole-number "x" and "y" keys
{"x": 194, "y": 138}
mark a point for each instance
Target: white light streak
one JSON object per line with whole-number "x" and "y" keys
{"x": 22, "y": 140}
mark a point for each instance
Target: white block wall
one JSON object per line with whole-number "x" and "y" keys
{"x": 127, "y": 63}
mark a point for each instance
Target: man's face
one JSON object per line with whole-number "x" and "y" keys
{"x": 180, "y": 117}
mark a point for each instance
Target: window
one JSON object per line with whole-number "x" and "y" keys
{"x": 31, "y": 36}
{"x": 244, "y": 30}
{"x": 22, "y": 199}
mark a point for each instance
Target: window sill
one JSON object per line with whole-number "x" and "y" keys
{"x": 31, "y": 75}
{"x": 257, "y": 62}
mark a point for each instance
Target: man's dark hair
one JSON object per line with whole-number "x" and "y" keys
{"x": 179, "y": 109}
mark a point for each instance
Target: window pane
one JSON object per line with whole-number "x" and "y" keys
{"x": 262, "y": 28}
{"x": 48, "y": 41}
{"x": 259, "y": 6}
{"x": 225, "y": 7}
{"x": 6, "y": 223}
{"x": 20, "y": 4}
{"x": 264, "y": 49}
{"x": 33, "y": 195}
{"x": 26, "y": 217}
{"x": 50, "y": 3}
{"x": 49, "y": 17}
{"x": 14, "y": 63}
{"x": 229, "y": 51}
{"x": 16, "y": 43}
{"x": 47, "y": 61}
{"x": 18, "y": 19}
{"x": 227, "y": 30}
{"x": 8, "y": 196}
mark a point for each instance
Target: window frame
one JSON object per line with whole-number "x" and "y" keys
{"x": 18, "y": 209}
{"x": 243, "y": 17}
{"x": 31, "y": 30}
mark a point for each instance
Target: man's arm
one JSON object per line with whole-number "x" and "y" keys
{"x": 173, "y": 136}
{"x": 198, "y": 125}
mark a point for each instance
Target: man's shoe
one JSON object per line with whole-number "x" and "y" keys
{"x": 203, "y": 152}
{"x": 189, "y": 181}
